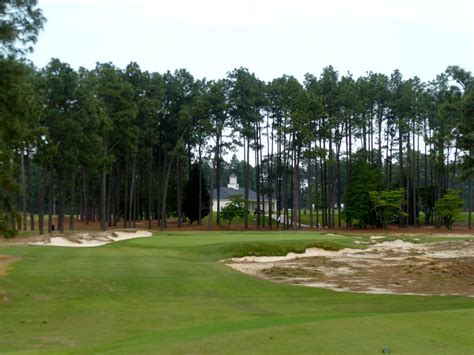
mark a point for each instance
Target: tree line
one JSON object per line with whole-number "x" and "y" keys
{"x": 117, "y": 145}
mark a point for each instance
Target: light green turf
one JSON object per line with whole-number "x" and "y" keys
{"x": 168, "y": 294}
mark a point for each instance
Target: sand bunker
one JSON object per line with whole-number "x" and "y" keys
{"x": 397, "y": 267}
{"x": 88, "y": 240}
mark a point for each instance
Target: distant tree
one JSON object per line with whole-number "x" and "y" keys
{"x": 191, "y": 196}
{"x": 236, "y": 208}
{"x": 388, "y": 205}
{"x": 466, "y": 134}
{"x": 16, "y": 126}
{"x": 64, "y": 130}
{"x": 119, "y": 132}
{"x": 359, "y": 209}
{"x": 20, "y": 22}
{"x": 176, "y": 121}
{"x": 466, "y": 142}
{"x": 449, "y": 207}
{"x": 246, "y": 101}
{"x": 427, "y": 199}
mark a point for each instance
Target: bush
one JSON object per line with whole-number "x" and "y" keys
{"x": 5, "y": 229}
{"x": 236, "y": 208}
{"x": 449, "y": 207}
{"x": 191, "y": 196}
{"x": 359, "y": 209}
{"x": 388, "y": 205}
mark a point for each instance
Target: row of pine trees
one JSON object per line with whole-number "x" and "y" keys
{"x": 117, "y": 145}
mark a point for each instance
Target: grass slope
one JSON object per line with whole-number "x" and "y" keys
{"x": 168, "y": 294}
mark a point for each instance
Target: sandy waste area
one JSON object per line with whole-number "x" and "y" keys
{"x": 95, "y": 239}
{"x": 385, "y": 267}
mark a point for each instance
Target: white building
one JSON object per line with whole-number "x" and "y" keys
{"x": 233, "y": 189}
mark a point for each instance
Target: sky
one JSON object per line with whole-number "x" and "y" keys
{"x": 269, "y": 37}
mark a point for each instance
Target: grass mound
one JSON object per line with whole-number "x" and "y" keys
{"x": 240, "y": 249}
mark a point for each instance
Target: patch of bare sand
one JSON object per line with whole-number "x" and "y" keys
{"x": 389, "y": 267}
{"x": 88, "y": 240}
{"x": 5, "y": 260}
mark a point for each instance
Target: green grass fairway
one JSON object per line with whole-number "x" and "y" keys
{"x": 168, "y": 294}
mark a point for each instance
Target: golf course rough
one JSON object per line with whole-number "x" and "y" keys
{"x": 170, "y": 294}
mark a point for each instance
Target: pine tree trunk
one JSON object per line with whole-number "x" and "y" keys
{"x": 261, "y": 182}
{"x": 179, "y": 180}
{"x": 165, "y": 192}
{"x": 125, "y": 199}
{"x": 110, "y": 199}
{"x": 380, "y": 116}
{"x": 136, "y": 202}
{"x": 285, "y": 187}
{"x": 316, "y": 196}
{"x": 159, "y": 185}
{"x": 338, "y": 179}
{"x": 322, "y": 182}
{"x": 132, "y": 193}
{"x": 211, "y": 192}
{"x": 60, "y": 216}
{"x": 257, "y": 180}
{"x": 401, "y": 222}
{"x": 278, "y": 179}
{"x": 23, "y": 191}
{"x": 200, "y": 189}
{"x": 87, "y": 211}
{"x": 415, "y": 177}
{"x": 30, "y": 194}
{"x": 270, "y": 178}
{"x": 116, "y": 199}
{"x": 103, "y": 192}
{"x": 470, "y": 204}
{"x": 50, "y": 202}
{"x": 217, "y": 177}
{"x": 247, "y": 181}
{"x": 296, "y": 190}
{"x": 41, "y": 202}
{"x": 408, "y": 175}
{"x": 150, "y": 192}
{"x": 349, "y": 171}
{"x": 72, "y": 206}
{"x": 310, "y": 192}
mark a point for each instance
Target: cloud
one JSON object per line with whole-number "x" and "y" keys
{"x": 245, "y": 13}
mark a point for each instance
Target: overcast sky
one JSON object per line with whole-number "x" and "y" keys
{"x": 270, "y": 37}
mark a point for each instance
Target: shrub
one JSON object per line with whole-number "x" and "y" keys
{"x": 449, "y": 207}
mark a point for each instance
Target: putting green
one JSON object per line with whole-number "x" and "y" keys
{"x": 168, "y": 294}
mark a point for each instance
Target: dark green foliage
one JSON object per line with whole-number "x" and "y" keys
{"x": 20, "y": 22}
{"x": 236, "y": 208}
{"x": 191, "y": 196}
{"x": 16, "y": 106}
{"x": 428, "y": 198}
{"x": 359, "y": 209}
{"x": 466, "y": 134}
{"x": 449, "y": 207}
{"x": 388, "y": 205}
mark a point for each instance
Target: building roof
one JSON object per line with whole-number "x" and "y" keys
{"x": 226, "y": 192}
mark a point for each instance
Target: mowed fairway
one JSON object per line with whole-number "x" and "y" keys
{"x": 169, "y": 294}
